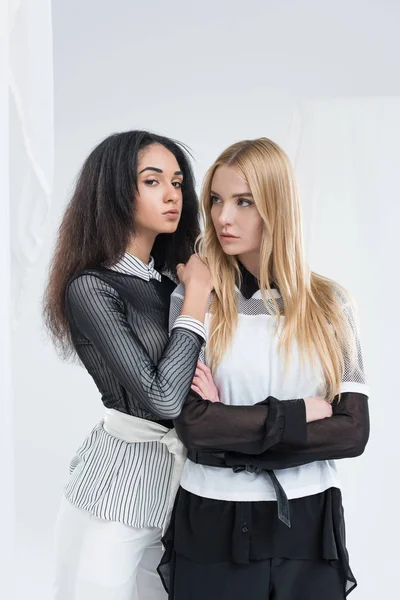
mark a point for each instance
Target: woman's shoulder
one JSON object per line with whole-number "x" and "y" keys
{"x": 90, "y": 283}
{"x": 92, "y": 277}
{"x": 341, "y": 294}
{"x": 333, "y": 289}
{"x": 179, "y": 291}
{"x": 178, "y": 296}
{"x": 342, "y": 302}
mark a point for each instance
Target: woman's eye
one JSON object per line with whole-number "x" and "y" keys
{"x": 177, "y": 184}
{"x": 151, "y": 182}
{"x": 244, "y": 202}
{"x": 215, "y": 200}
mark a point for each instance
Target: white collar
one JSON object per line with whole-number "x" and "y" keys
{"x": 131, "y": 265}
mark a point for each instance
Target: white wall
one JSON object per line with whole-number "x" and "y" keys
{"x": 7, "y": 520}
{"x": 207, "y": 73}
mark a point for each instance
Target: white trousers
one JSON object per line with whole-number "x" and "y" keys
{"x": 96, "y": 559}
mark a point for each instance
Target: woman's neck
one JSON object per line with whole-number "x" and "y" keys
{"x": 251, "y": 262}
{"x": 141, "y": 245}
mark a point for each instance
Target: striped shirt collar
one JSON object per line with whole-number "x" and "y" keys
{"x": 131, "y": 265}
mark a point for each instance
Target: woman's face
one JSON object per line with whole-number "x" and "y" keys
{"x": 236, "y": 219}
{"x": 158, "y": 202}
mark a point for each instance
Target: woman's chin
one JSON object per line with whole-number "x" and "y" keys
{"x": 169, "y": 227}
{"x": 229, "y": 251}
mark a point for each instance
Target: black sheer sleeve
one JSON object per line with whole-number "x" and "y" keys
{"x": 204, "y": 425}
{"x": 344, "y": 435}
{"x": 212, "y": 426}
{"x": 276, "y": 432}
{"x": 99, "y": 313}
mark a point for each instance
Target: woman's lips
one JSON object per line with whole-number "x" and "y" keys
{"x": 172, "y": 214}
{"x": 227, "y": 237}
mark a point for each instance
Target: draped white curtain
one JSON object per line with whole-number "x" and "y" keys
{"x": 31, "y": 134}
{"x": 26, "y": 168}
{"x": 346, "y": 155}
{"x": 6, "y": 398}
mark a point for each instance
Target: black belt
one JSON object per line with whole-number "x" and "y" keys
{"x": 217, "y": 459}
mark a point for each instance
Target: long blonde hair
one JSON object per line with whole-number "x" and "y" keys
{"x": 312, "y": 304}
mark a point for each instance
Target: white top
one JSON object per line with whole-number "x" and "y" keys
{"x": 251, "y": 370}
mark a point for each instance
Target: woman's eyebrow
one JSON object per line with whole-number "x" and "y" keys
{"x": 157, "y": 170}
{"x": 249, "y": 194}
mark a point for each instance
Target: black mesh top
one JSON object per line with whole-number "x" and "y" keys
{"x": 119, "y": 327}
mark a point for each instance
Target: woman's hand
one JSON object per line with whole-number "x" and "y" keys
{"x": 195, "y": 272}
{"x": 317, "y": 409}
{"x": 203, "y": 383}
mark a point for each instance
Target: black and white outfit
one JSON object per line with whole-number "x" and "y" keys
{"x": 259, "y": 512}
{"x": 124, "y": 476}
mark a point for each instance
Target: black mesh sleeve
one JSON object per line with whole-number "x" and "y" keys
{"x": 344, "y": 435}
{"x": 99, "y": 313}
{"x": 213, "y": 426}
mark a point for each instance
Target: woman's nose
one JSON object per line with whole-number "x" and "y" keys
{"x": 173, "y": 194}
{"x": 226, "y": 216}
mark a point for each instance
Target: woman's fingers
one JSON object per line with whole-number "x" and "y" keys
{"x": 203, "y": 383}
{"x": 197, "y": 390}
{"x": 200, "y": 383}
{"x": 202, "y": 367}
{"x": 206, "y": 371}
{"x": 180, "y": 271}
{"x": 210, "y": 378}
{"x": 201, "y": 375}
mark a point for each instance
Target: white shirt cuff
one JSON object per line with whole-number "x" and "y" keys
{"x": 191, "y": 324}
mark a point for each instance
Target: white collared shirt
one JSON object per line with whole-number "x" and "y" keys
{"x": 131, "y": 265}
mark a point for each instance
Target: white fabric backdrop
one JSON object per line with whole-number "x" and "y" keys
{"x": 26, "y": 171}
{"x": 6, "y": 397}
{"x": 31, "y": 134}
{"x": 347, "y": 159}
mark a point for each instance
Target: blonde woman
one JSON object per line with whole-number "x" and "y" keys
{"x": 259, "y": 511}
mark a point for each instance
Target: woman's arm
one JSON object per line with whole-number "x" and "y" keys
{"x": 205, "y": 425}
{"x": 213, "y": 426}
{"x": 344, "y": 435}
{"x": 99, "y": 313}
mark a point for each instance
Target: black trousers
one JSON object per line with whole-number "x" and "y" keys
{"x": 270, "y": 579}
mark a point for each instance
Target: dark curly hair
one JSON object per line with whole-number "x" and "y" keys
{"x": 99, "y": 220}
